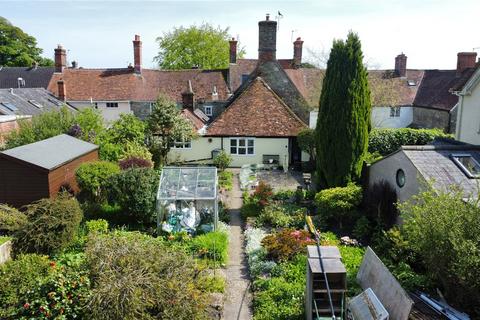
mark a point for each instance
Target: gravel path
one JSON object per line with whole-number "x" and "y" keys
{"x": 238, "y": 296}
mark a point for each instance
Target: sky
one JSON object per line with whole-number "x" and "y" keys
{"x": 99, "y": 34}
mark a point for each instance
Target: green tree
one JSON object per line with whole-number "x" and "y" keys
{"x": 307, "y": 143}
{"x": 17, "y": 48}
{"x": 203, "y": 46}
{"x": 128, "y": 128}
{"x": 344, "y": 115}
{"x": 165, "y": 126}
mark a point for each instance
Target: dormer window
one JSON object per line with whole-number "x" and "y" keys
{"x": 208, "y": 111}
{"x": 467, "y": 164}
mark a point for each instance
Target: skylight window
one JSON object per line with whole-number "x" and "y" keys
{"x": 411, "y": 83}
{"x": 467, "y": 164}
{"x": 10, "y": 106}
{"x": 36, "y": 104}
{"x": 55, "y": 102}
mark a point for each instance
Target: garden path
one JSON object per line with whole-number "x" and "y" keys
{"x": 238, "y": 296}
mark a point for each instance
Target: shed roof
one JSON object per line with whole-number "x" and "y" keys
{"x": 51, "y": 153}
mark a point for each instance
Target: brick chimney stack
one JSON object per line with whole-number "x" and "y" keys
{"x": 267, "y": 40}
{"x": 401, "y": 65}
{"x": 137, "y": 54}
{"x": 188, "y": 97}
{"x": 62, "y": 90}
{"x": 297, "y": 52}
{"x": 233, "y": 50}
{"x": 60, "y": 58}
{"x": 465, "y": 60}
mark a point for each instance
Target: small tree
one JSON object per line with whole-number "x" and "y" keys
{"x": 128, "y": 128}
{"x": 165, "y": 126}
{"x": 307, "y": 143}
{"x": 92, "y": 178}
{"x": 222, "y": 160}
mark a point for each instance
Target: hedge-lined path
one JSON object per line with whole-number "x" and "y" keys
{"x": 238, "y": 296}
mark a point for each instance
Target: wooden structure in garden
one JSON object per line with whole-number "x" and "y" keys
{"x": 316, "y": 295}
{"x": 40, "y": 170}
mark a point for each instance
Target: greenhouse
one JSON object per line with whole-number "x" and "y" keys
{"x": 187, "y": 200}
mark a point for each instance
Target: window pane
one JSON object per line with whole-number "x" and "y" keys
{"x": 392, "y": 112}
{"x": 250, "y": 150}
{"x": 241, "y": 142}
{"x": 241, "y": 150}
{"x": 233, "y": 142}
{"x": 233, "y": 150}
{"x": 250, "y": 142}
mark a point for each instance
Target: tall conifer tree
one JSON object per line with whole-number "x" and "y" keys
{"x": 344, "y": 115}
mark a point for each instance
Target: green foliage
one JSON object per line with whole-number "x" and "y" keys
{"x": 4, "y": 239}
{"x": 212, "y": 284}
{"x": 203, "y": 46}
{"x": 444, "y": 231}
{"x": 165, "y": 126}
{"x": 135, "y": 276}
{"x": 281, "y": 216}
{"x": 263, "y": 193}
{"x": 92, "y": 178}
{"x": 250, "y": 207}
{"x": 372, "y": 157}
{"x": 99, "y": 225}
{"x": 135, "y": 191}
{"x": 344, "y": 115}
{"x": 307, "y": 143}
{"x": 40, "y": 127}
{"x": 338, "y": 203}
{"x": 19, "y": 49}
{"x": 90, "y": 122}
{"x": 285, "y": 244}
{"x": 212, "y": 245}
{"x": 225, "y": 180}
{"x": 282, "y": 296}
{"x": 52, "y": 225}
{"x": 131, "y": 149}
{"x": 387, "y": 140}
{"x": 352, "y": 258}
{"x": 11, "y": 219}
{"x": 222, "y": 160}
{"x": 128, "y": 128}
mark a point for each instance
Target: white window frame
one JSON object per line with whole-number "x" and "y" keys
{"x": 462, "y": 167}
{"x": 245, "y": 146}
{"x": 208, "y": 113}
{"x": 182, "y": 145}
{"x": 395, "y": 112}
{"x": 111, "y": 104}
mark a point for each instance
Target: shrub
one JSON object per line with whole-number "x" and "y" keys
{"x": 287, "y": 243}
{"x": 352, "y": 258}
{"x": 338, "y": 203}
{"x": 135, "y": 191}
{"x": 99, "y": 225}
{"x": 92, "y": 178}
{"x": 136, "y": 150}
{"x": 444, "y": 230}
{"x": 222, "y": 160}
{"x": 212, "y": 245}
{"x": 250, "y": 207}
{"x": 134, "y": 162}
{"x": 284, "y": 195}
{"x": 263, "y": 193}
{"x": 281, "y": 216}
{"x": 135, "y": 276}
{"x": 256, "y": 254}
{"x": 307, "y": 143}
{"x": 225, "y": 180}
{"x": 385, "y": 141}
{"x": 52, "y": 225}
{"x": 11, "y": 219}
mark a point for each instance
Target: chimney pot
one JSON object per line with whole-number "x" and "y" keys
{"x": 62, "y": 91}
{"x": 267, "y": 40}
{"x": 297, "y": 53}
{"x": 465, "y": 60}
{"x": 401, "y": 65}
{"x": 233, "y": 50}
{"x": 60, "y": 58}
{"x": 137, "y": 54}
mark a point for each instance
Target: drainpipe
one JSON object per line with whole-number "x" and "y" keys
{"x": 459, "y": 114}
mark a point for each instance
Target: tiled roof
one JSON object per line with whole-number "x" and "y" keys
{"x": 434, "y": 91}
{"x": 28, "y": 101}
{"x": 125, "y": 85}
{"x": 463, "y": 79}
{"x": 196, "y": 121}
{"x": 258, "y": 112}
{"x": 434, "y": 164}
{"x": 38, "y": 77}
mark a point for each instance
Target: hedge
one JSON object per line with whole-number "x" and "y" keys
{"x": 388, "y": 140}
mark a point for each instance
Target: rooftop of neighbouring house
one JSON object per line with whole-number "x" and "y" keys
{"x": 28, "y": 101}
{"x": 29, "y": 77}
{"x": 50, "y": 153}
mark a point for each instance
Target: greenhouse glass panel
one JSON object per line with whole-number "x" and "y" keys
{"x": 187, "y": 199}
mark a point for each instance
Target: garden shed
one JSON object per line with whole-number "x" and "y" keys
{"x": 39, "y": 170}
{"x": 187, "y": 199}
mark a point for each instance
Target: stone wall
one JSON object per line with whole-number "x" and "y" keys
{"x": 431, "y": 118}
